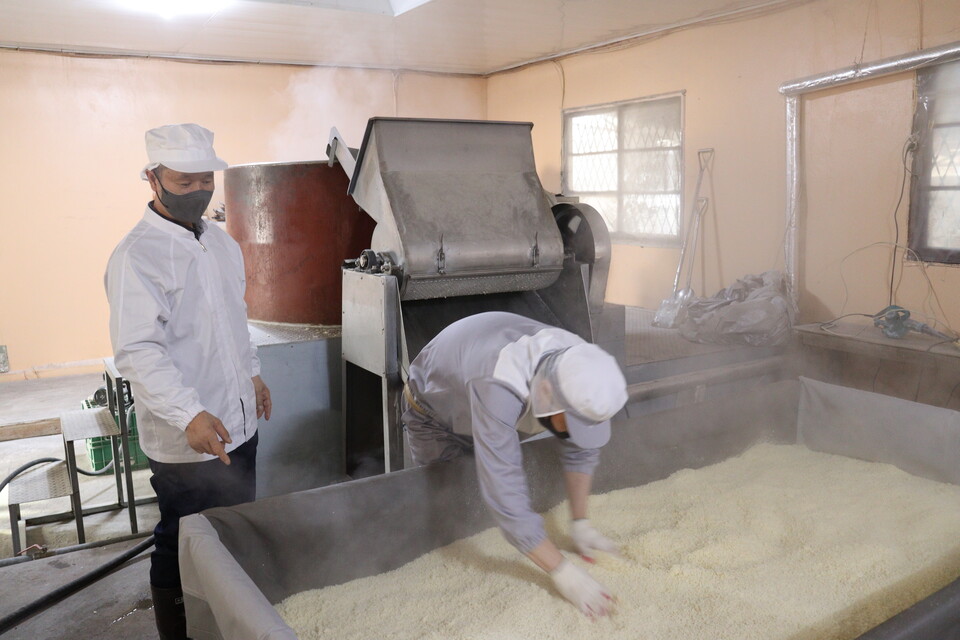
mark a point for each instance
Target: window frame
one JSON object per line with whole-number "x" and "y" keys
{"x": 618, "y": 236}
{"x": 920, "y": 187}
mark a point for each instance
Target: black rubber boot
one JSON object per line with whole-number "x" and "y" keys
{"x": 169, "y": 612}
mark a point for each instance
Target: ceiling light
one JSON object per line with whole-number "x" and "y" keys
{"x": 169, "y": 9}
{"x": 384, "y": 7}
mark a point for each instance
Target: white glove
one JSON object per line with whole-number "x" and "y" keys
{"x": 579, "y": 587}
{"x": 587, "y": 540}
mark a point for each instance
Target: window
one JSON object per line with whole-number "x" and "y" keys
{"x": 625, "y": 160}
{"x": 935, "y": 187}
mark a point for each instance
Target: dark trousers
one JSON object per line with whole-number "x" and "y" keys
{"x": 188, "y": 488}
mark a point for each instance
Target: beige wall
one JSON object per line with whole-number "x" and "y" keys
{"x": 71, "y": 148}
{"x": 731, "y": 74}
{"x": 71, "y": 132}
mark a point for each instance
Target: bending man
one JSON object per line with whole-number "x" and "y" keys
{"x": 489, "y": 376}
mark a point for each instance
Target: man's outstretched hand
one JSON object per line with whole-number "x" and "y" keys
{"x": 206, "y": 434}
{"x": 579, "y": 587}
{"x": 588, "y": 540}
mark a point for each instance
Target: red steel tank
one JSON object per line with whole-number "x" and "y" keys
{"x": 295, "y": 225}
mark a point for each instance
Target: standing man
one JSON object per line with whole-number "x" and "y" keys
{"x": 488, "y": 376}
{"x": 178, "y": 323}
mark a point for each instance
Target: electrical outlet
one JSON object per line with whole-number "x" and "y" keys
{"x": 4, "y": 360}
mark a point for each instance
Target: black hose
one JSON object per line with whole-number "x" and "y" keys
{"x": 55, "y": 596}
{"x": 24, "y": 467}
{"x": 107, "y": 467}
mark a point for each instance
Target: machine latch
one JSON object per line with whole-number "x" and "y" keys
{"x": 441, "y": 258}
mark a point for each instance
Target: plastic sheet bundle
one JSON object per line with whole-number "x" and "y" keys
{"x": 755, "y": 310}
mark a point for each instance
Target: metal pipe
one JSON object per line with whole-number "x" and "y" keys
{"x": 87, "y": 511}
{"x": 791, "y": 237}
{"x": 886, "y": 66}
{"x": 76, "y": 547}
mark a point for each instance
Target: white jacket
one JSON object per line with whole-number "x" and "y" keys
{"x": 178, "y": 323}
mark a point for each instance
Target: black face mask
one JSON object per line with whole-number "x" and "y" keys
{"x": 548, "y": 425}
{"x": 187, "y": 208}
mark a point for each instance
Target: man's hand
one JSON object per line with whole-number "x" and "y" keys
{"x": 587, "y": 540}
{"x": 264, "y": 405}
{"x": 206, "y": 434}
{"x": 579, "y": 587}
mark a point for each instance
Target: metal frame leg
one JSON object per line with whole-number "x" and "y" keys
{"x": 127, "y": 461}
{"x": 75, "y": 486}
{"x": 117, "y": 475}
{"x": 391, "y": 390}
{"x": 114, "y": 442}
{"x": 15, "y": 528}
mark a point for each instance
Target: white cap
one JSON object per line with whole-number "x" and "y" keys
{"x": 586, "y": 384}
{"x": 182, "y": 147}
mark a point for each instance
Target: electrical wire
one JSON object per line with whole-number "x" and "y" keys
{"x": 563, "y": 82}
{"x": 946, "y": 404}
{"x": 909, "y": 145}
{"x": 937, "y": 344}
{"x": 873, "y": 385}
{"x": 866, "y": 29}
{"x": 830, "y": 324}
{"x": 931, "y": 291}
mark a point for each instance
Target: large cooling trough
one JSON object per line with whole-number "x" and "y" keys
{"x": 238, "y": 562}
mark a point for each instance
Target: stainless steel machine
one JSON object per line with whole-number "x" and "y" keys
{"x": 463, "y": 226}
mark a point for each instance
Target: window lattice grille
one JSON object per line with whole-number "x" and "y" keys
{"x": 625, "y": 161}
{"x": 935, "y": 187}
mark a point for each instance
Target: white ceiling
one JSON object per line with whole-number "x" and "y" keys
{"x": 455, "y": 36}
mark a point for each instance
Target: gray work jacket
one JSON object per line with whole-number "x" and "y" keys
{"x": 474, "y": 378}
